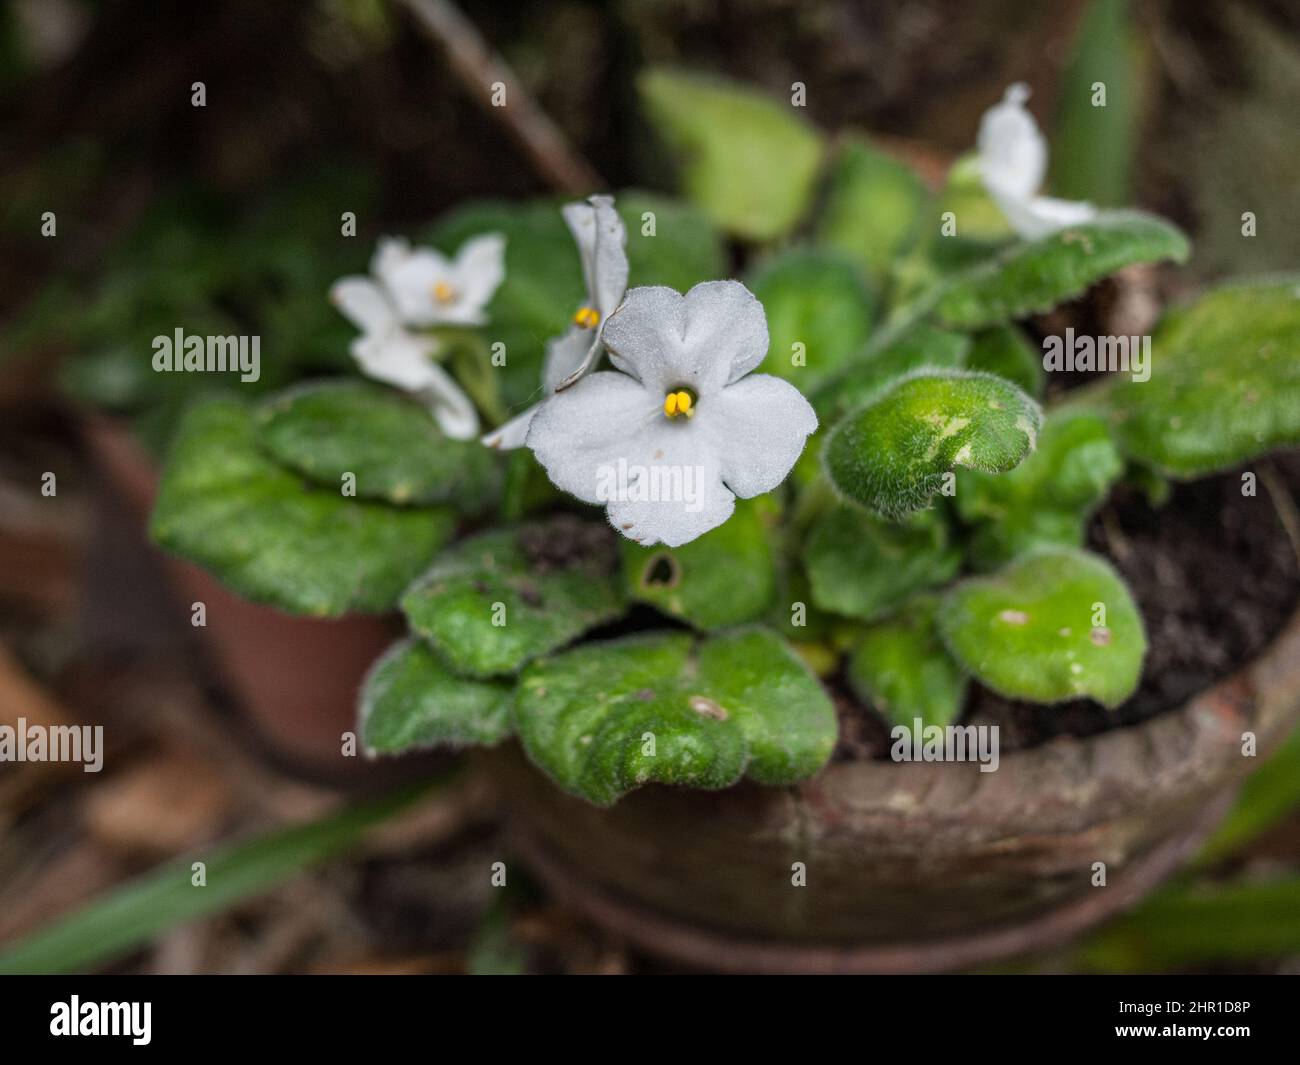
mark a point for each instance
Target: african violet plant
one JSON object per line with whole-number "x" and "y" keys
{"x": 931, "y": 531}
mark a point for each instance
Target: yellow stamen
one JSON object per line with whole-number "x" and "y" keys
{"x": 679, "y": 402}
{"x": 587, "y": 317}
{"x": 443, "y": 292}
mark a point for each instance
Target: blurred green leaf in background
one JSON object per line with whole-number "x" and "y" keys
{"x": 1093, "y": 145}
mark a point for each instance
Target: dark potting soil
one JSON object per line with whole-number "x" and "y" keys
{"x": 568, "y": 541}
{"x": 1215, "y": 576}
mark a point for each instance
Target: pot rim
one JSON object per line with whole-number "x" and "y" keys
{"x": 675, "y": 939}
{"x": 1070, "y": 782}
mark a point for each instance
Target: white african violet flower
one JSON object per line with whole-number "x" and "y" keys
{"x": 429, "y": 289}
{"x": 388, "y": 352}
{"x": 1013, "y": 164}
{"x": 602, "y": 244}
{"x": 671, "y": 437}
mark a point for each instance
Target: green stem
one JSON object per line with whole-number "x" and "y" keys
{"x": 471, "y": 360}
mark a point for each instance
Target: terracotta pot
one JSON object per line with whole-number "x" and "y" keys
{"x": 912, "y": 866}
{"x": 295, "y": 678}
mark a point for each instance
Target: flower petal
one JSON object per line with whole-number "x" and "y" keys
{"x": 714, "y": 334}
{"x": 566, "y": 355}
{"x": 672, "y": 501}
{"x": 402, "y": 359}
{"x": 1013, "y": 154}
{"x": 580, "y": 217}
{"x": 364, "y": 304}
{"x": 453, "y": 410}
{"x": 479, "y": 269}
{"x": 395, "y": 357}
{"x": 725, "y": 322}
{"x": 411, "y": 280}
{"x": 513, "y": 433}
{"x": 604, "y": 417}
{"x": 390, "y": 252}
{"x": 1041, "y": 215}
{"x": 756, "y": 429}
{"x": 602, "y": 245}
{"x": 610, "y": 268}
{"x": 644, "y": 336}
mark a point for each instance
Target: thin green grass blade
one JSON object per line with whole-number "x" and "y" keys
{"x": 1183, "y": 926}
{"x": 1269, "y": 794}
{"x": 129, "y": 916}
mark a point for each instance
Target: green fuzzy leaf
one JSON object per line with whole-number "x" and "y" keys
{"x": 528, "y": 491}
{"x": 725, "y": 577}
{"x": 1004, "y": 350}
{"x": 873, "y": 208}
{"x": 683, "y": 250}
{"x": 227, "y": 507}
{"x": 903, "y": 670}
{"x": 1225, "y": 382}
{"x": 389, "y": 443}
{"x": 793, "y": 603}
{"x": 819, "y": 313}
{"x": 410, "y": 700}
{"x": 606, "y": 718}
{"x": 892, "y": 455}
{"x": 498, "y": 599}
{"x": 1074, "y": 467}
{"x": 890, "y": 355}
{"x": 863, "y": 567}
{"x": 959, "y": 229}
{"x": 1156, "y": 488}
{"x": 746, "y": 159}
{"x": 1035, "y": 276}
{"x": 1035, "y": 630}
{"x": 993, "y": 544}
{"x": 1048, "y": 498}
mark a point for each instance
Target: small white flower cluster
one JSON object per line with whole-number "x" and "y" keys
{"x": 412, "y": 288}
{"x": 680, "y": 406}
{"x": 680, "y": 401}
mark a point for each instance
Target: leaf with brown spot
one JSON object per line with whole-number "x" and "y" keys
{"x": 740, "y": 704}
{"x": 1027, "y": 631}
